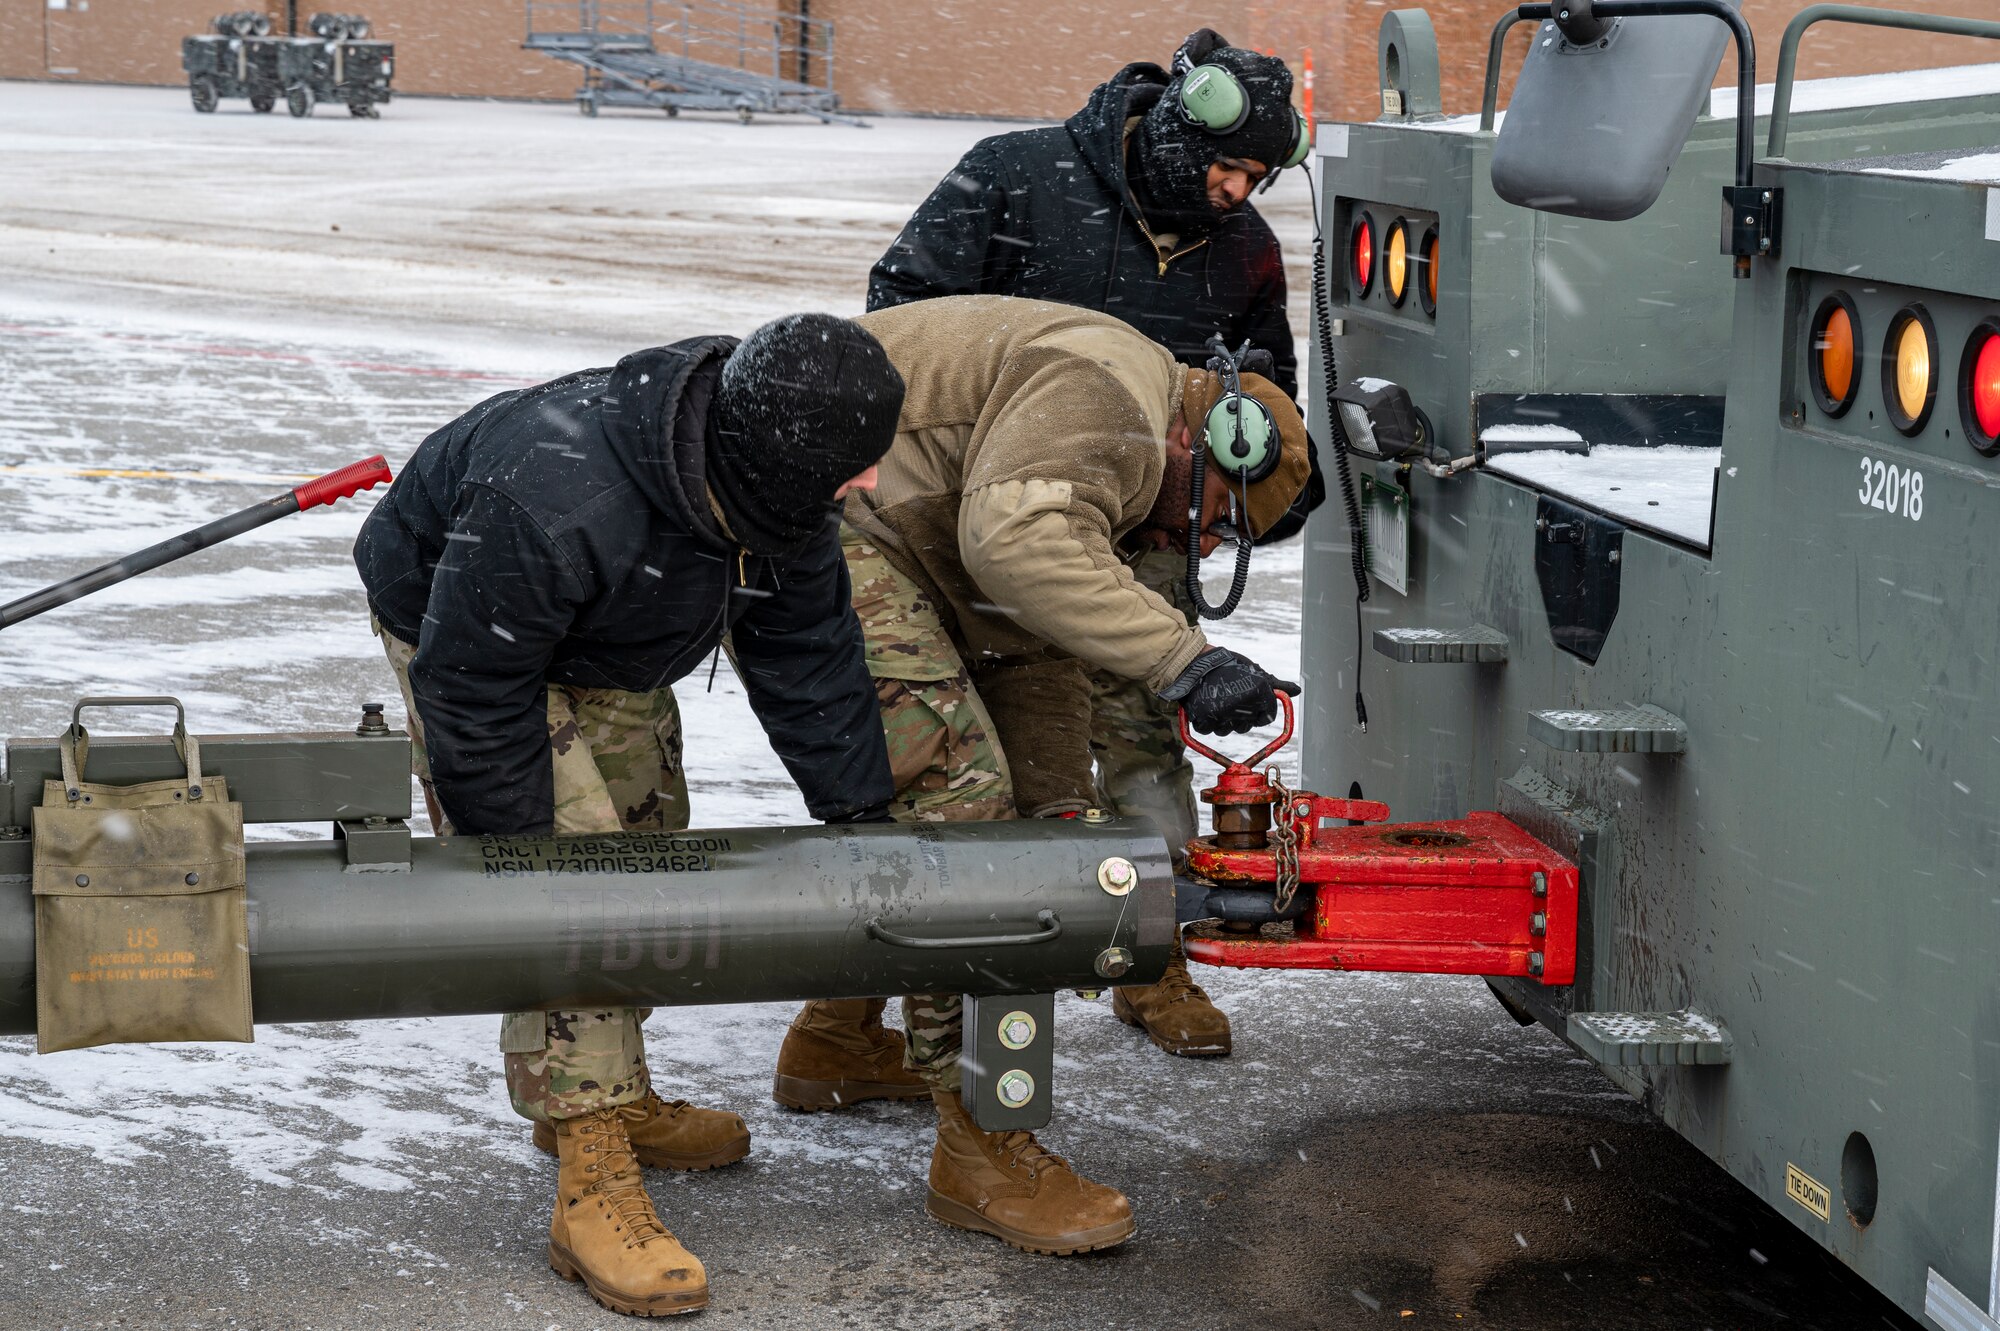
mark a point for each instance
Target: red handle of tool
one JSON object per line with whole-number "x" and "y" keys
{"x": 354, "y": 477}
{"x": 1284, "y": 738}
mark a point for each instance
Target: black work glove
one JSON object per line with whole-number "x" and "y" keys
{"x": 1227, "y": 694}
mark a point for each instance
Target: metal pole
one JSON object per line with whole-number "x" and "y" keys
{"x": 1489, "y": 104}
{"x": 739, "y": 915}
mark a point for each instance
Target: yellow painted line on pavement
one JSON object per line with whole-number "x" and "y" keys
{"x": 140, "y": 474}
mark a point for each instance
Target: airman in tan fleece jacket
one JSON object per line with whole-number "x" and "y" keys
{"x": 1033, "y": 437}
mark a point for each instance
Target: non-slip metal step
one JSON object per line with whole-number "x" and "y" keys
{"x": 1638, "y": 1039}
{"x": 1641, "y": 729}
{"x": 1478, "y": 645}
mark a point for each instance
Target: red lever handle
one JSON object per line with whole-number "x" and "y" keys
{"x": 355, "y": 476}
{"x": 1284, "y": 738}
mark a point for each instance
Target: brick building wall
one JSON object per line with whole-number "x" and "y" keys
{"x": 1001, "y": 58}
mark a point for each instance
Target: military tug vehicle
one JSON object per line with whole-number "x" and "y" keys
{"x": 1676, "y": 555}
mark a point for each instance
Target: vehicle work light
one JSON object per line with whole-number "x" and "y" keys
{"x": 1382, "y": 423}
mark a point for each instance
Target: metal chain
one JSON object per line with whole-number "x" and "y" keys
{"x": 1284, "y": 839}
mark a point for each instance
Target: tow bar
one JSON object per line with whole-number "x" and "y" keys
{"x": 1472, "y": 896}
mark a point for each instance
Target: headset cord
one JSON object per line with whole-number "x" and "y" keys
{"x": 1241, "y": 579}
{"x": 1329, "y": 380}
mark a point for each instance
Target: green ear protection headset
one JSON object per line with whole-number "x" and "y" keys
{"x": 1211, "y": 98}
{"x": 1241, "y": 437}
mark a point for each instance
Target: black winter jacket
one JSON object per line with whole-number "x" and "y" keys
{"x": 1045, "y": 214}
{"x": 563, "y": 533}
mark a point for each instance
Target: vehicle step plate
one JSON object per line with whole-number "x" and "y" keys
{"x": 1640, "y": 729}
{"x": 1478, "y": 645}
{"x": 1631, "y": 1039}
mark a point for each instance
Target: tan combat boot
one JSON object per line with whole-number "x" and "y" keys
{"x": 673, "y": 1134}
{"x": 1006, "y": 1185}
{"x": 1176, "y": 1013}
{"x": 605, "y": 1232}
{"x": 837, "y": 1053}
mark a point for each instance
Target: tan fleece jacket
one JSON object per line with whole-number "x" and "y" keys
{"x": 1032, "y": 437}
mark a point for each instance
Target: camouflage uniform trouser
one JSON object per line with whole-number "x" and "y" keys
{"x": 1142, "y": 767}
{"x": 617, "y": 765}
{"x": 942, "y": 749}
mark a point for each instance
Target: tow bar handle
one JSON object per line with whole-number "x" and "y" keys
{"x": 1284, "y": 738}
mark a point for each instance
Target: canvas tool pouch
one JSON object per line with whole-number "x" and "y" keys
{"x": 141, "y": 932}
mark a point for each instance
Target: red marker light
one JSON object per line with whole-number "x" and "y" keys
{"x": 1362, "y": 267}
{"x": 1979, "y": 391}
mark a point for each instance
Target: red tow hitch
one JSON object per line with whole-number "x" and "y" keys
{"x": 1472, "y": 896}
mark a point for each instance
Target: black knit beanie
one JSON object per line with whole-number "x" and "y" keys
{"x": 1172, "y": 157}
{"x": 806, "y": 403}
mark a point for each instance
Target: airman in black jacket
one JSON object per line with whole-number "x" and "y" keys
{"x": 541, "y": 573}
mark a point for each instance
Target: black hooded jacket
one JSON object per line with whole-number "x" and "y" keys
{"x": 563, "y": 533}
{"x": 1046, "y": 214}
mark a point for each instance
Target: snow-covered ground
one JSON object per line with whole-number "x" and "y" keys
{"x": 196, "y": 311}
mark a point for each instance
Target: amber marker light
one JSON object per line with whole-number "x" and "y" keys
{"x": 1361, "y": 251}
{"x": 1909, "y": 368}
{"x": 1979, "y": 388}
{"x": 1427, "y": 289}
{"x": 1830, "y": 360}
{"x": 1396, "y": 262}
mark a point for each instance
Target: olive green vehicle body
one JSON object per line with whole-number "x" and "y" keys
{"x": 1818, "y": 872}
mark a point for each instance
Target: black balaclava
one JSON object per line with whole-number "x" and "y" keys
{"x": 1169, "y": 161}
{"x": 806, "y": 403}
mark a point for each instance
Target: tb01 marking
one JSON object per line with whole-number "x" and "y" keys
{"x": 1892, "y": 489}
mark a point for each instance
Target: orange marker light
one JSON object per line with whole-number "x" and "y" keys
{"x": 1830, "y": 358}
{"x": 1909, "y": 368}
{"x": 1396, "y": 262}
{"x": 1362, "y": 267}
{"x": 1430, "y": 288}
{"x": 1979, "y": 390}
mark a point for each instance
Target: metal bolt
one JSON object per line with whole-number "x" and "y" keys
{"x": 375, "y": 822}
{"x": 13, "y": 834}
{"x": 1534, "y": 963}
{"x": 1015, "y": 1088}
{"x": 1614, "y": 556}
{"x": 1117, "y": 876}
{"x": 1096, "y": 816}
{"x": 194, "y": 880}
{"x": 1017, "y": 1030}
{"x": 1090, "y": 995}
{"x": 1541, "y": 884}
{"x": 372, "y": 721}
{"x": 1538, "y": 923}
{"x": 1767, "y": 196}
{"x": 1113, "y": 962}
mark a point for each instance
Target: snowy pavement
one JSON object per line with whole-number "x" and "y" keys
{"x": 195, "y": 312}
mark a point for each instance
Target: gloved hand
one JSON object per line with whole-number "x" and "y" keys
{"x": 1226, "y": 693}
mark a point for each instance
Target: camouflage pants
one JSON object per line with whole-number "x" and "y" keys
{"x": 1142, "y": 767}
{"x": 942, "y": 750}
{"x": 617, "y": 767}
